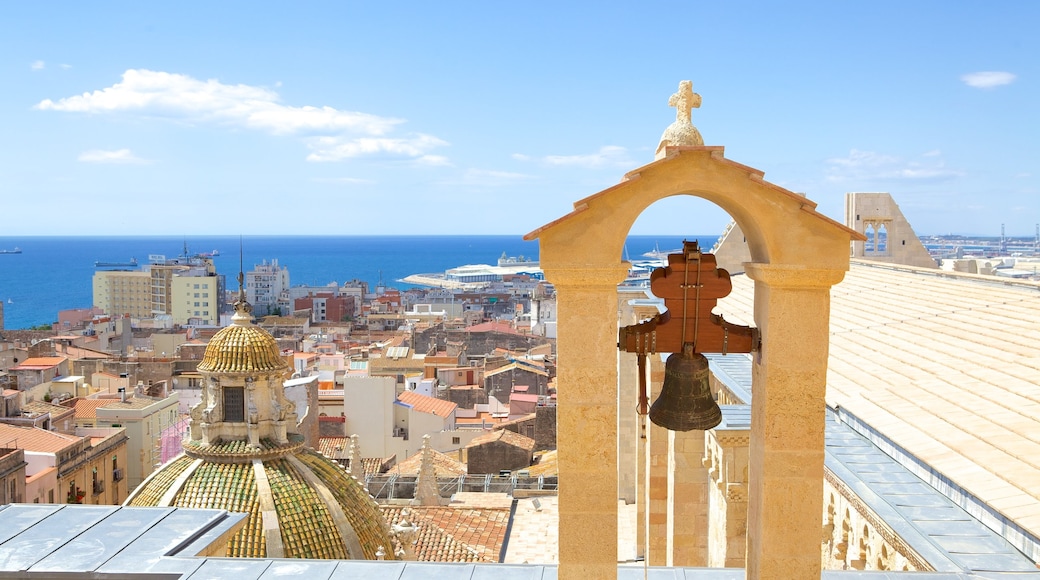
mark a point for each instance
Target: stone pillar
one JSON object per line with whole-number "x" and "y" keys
{"x": 726, "y": 457}
{"x": 688, "y": 499}
{"x": 659, "y": 550}
{"x": 789, "y": 377}
{"x": 628, "y": 426}
{"x": 587, "y": 418}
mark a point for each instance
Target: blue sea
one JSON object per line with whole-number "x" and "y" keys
{"x": 55, "y": 273}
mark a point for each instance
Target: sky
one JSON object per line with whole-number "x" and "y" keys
{"x": 201, "y": 118}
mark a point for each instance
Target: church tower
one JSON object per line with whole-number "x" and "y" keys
{"x": 245, "y": 454}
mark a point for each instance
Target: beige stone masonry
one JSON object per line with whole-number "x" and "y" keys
{"x": 796, "y": 254}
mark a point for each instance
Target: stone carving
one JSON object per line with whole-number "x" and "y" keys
{"x": 426, "y": 492}
{"x": 681, "y": 133}
{"x": 406, "y": 533}
{"x": 355, "y": 458}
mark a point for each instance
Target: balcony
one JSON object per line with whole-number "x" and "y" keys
{"x": 99, "y": 487}
{"x": 117, "y": 474}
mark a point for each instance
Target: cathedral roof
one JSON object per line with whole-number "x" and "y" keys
{"x": 245, "y": 454}
{"x": 319, "y": 510}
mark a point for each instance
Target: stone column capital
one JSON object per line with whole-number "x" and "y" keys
{"x": 585, "y": 276}
{"x": 793, "y": 277}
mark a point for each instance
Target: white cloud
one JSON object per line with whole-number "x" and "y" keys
{"x": 521, "y": 157}
{"x": 119, "y": 156}
{"x": 339, "y": 148}
{"x": 867, "y": 165}
{"x": 342, "y": 180}
{"x": 433, "y": 161}
{"x": 988, "y": 79}
{"x": 65, "y": 66}
{"x": 608, "y": 155}
{"x": 38, "y": 65}
{"x": 330, "y": 133}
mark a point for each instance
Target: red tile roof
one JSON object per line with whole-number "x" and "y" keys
{"x": 504, "y": 327}
{"x": 443, "y": 465}
{"x": 39, "y": 363}
{"x": 33, "y": 439}
{"x": 455, "y": 534}
{"x": 425, "y": 404}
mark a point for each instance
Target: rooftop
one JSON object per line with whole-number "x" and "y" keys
{"x": 33, "y": 439}
{"x": 946, "y": 367}
{"x": 425, "y": 404}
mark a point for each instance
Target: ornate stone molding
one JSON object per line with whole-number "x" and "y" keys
{"x": 239, "y": 452}
{"x": 876, "y": 523}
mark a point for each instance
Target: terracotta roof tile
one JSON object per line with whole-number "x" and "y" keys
{"x": 33, "y": 439}
{"x": 455, "y": 534}
{"x": 425, "y": 404}
{"x": 443, "y": 465}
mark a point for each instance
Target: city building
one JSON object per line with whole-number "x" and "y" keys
{"x": 264, "y": 285}
{"x": 187, "y": 289}
{"x": 84, "y": 468}
{"x": 12, "y": 475}
{"x": 142, "y": 417}
{"x": 123, "y": 292}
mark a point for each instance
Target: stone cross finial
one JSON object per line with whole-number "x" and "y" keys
{"x": 681, "y": 133}
{"x": 684, "y": 100}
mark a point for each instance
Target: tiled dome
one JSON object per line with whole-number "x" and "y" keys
{"x": 321, "y": 511}
{"x": 242, "y": 348}
{"x": 245, "y": 454}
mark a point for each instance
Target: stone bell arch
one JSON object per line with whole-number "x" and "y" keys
{"x": 797, "y": 254}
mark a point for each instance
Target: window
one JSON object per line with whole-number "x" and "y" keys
{"x": 196, "y": 294}
{"x": 196, "y": 287}
{"x": 454, "y": 440}
{"x": 234, "y": 404}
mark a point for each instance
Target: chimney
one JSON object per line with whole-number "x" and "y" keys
{"x": 122, "y": 394}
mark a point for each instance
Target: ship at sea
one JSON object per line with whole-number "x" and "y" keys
{"x": 131, "y": 264}
{"x": 14, "y": 251}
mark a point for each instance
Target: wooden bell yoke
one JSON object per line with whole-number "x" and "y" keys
{"x": 690, "y": 286}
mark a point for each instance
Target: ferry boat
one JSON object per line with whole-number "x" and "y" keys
{"x": 14, "y": 251}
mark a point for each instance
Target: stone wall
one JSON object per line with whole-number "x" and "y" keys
{"x": 545, "y": 428}
{"x": 496, "y": 456}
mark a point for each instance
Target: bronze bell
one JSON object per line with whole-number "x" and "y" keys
{"x": 685, "y": 402}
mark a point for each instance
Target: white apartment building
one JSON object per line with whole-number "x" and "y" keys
{"x": 264, "y": 284}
